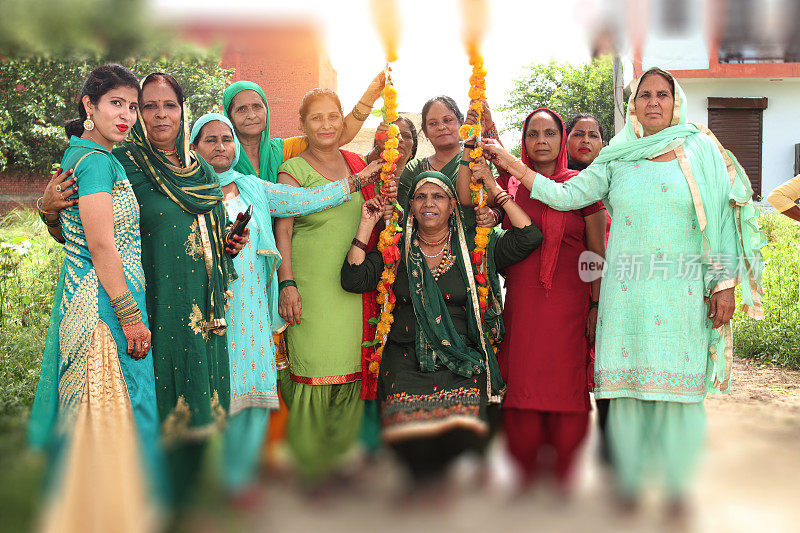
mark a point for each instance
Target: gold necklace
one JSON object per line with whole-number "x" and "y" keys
{"x": 168, "y": 153}
{"x": 440, "y": 241}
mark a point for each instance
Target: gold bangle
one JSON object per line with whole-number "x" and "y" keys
{"x": 39, "y": 207}
{"x": 358, "y": 115}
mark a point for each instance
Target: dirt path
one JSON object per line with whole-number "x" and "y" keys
{"x": 749, "y": 481}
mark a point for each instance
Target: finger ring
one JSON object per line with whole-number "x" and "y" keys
{"x": 145, "y": 344}
{"x": 58, "y": 188}
{"x": 62, "y": 196}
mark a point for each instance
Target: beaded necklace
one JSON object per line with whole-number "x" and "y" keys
{"x": 448, "y": 260}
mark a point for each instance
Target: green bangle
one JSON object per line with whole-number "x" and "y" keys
{"x": 464, "y": 162}
{"x": 286, "y": 283}
{"x": 594, "y": 305}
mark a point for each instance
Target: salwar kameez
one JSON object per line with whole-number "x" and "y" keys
{"x": 434, "y": 402}
{"x": 252, "y": 316}
{"x": 323, "y": 389}
{"x": 681, "y": 231}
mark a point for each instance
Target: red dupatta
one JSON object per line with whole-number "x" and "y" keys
{"x": 553, "y": 221}
{"x": 369, "y": 302}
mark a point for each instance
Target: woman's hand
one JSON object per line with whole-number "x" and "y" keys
{"x": 482, "y": 172}
{"x": 486, "y": 117}
{"x": 485, "y": 217}
{"x": 138, "y": 337}
{"x": 389, "y": 195}
{"x": 373, "y": 92}
{"x": 721, "y": 306}
{"x": 290, "y": 305}
{"x": 493, "y": 151}
{"x": 235, "y": 243}
{"x": 57, "y": 192}
{"x": 591, "y": 325}
{"x": 371, "y": 212}
{"x": 370, "y": 173}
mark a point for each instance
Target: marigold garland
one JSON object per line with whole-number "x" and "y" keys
{"x": 477, "y": 94}
{"x": 388, "y": 243}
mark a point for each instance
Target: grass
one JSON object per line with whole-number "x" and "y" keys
{"x": 29, "y": 265}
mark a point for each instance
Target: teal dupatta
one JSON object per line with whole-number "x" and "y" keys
{"x": 251, "y": 190}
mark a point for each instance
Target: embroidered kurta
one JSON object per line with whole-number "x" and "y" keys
{"x": 414, "y": 402}
{"x": 192, "y": 375}
{"x": 653, "y": 333}
{"x": 250, "y": 344}
{"x": 99, "y": 385}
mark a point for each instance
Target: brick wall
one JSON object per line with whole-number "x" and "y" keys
{"x": 287, "y": 59}
{"x": 20, "y": 187}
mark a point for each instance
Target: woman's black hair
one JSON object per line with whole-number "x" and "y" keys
{"x": 447, "y": 101}
{"x": 574, "y": 120}
{"x": 414, "y": 137}
{"x": 172, "y": 82}
{"x": 100, "y": 80}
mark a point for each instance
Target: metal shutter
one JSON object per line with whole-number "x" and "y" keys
{"x": 737, "y": 123}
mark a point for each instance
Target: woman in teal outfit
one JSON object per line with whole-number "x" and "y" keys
{"x": 253, "y": 314}
{"x": 97, "y": 371}
{"x": 683, "y": 234}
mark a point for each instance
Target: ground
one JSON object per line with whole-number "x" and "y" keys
{"x": 749, "y": 481}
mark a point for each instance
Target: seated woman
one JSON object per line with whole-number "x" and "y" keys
{"x": 254, "y": 304}
{"x": 439, "y": 371}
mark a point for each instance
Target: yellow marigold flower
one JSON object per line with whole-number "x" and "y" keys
{"x": 391, "y": 143}
{"x": 394, "y": 131}
{"x": 475, "y": 153}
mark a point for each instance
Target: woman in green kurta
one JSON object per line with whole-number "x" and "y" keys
{"x": 683, "y": 233}
{"x": 187, "y": 268}
{"x": 441, "y": 120}
{"x": 322, "y": 387}
{"x": 439, "y": 371}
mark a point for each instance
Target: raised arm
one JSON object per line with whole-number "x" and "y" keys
{"x": 588, "y": 187}
{"x": 361, "y": 269}
{"x": 291, "y": 201}
{"x": 355, "y": 119}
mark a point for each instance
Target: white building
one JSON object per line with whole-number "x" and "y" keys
{"x": 739, "y": 63}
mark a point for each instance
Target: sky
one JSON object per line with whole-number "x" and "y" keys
{"x": 432, "y": 59}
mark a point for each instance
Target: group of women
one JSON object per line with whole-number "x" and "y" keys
{"x": 239, "y": 321}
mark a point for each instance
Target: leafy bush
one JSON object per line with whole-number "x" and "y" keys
{"x": 776, "y": 338}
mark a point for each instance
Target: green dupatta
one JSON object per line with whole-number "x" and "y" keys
{"x": 437, "y": 338}
{"x": 195, "y": 188}
{"x": 270, "y": 151}
{"x": 717, "y": 183}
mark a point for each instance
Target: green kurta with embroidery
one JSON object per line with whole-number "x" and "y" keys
{"x": 191, "y": 364}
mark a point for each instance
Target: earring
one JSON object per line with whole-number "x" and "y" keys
{"x": 88, "y": 124}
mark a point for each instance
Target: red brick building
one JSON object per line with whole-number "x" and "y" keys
{"x": 287, "y": 59}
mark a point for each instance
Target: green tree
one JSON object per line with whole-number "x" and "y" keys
{"x": 566, "y": 89}
{"x": 39, "y": 93}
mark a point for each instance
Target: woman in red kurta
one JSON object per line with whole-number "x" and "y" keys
{"x": 550, "y": 314}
